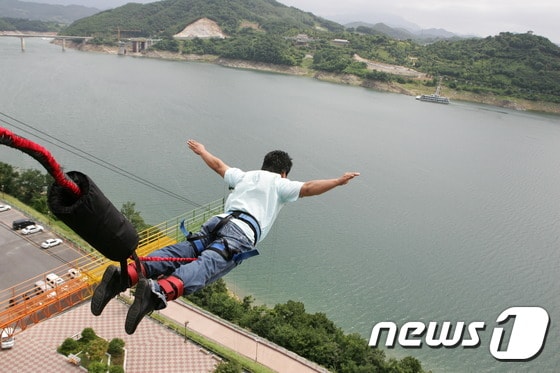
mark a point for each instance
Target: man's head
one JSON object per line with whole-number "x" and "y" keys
{"x": 277, "y": 161}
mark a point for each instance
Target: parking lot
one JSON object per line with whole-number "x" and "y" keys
{"x": 21, "y": 256}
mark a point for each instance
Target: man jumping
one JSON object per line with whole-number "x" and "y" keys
{"x": 224, "y": 240}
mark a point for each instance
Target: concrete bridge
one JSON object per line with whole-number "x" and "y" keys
{"x": 46, "y": 36}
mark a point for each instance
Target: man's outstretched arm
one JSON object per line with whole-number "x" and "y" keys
{"x": 211, "y": 160}
{"x": 316, "y": 187}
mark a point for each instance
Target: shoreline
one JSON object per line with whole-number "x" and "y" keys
{"x": 347, "y": 79}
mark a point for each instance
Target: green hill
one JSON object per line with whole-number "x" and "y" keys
{"x": 517, "y": 65}
{"x": 18, "y": 24}
{"x": 169, "y": 17}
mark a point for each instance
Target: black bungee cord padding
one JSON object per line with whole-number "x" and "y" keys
{"x": 79, "y": 203}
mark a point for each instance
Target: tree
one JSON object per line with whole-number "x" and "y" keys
{"x": 116, "y": 369}
{"x": 97, "y": 367}
{"x": 31, "y": 183}
{"x": 331, "y": 60}
{"x": 128, "y": 209}
{"x": 97, "y": 349}
{"x": 69, "y": 346}
{"x": 228, "y": 367}
{"x": 88, "y": 335}
{"x": 116, "y": 347}
{"x": 8, "y": 178}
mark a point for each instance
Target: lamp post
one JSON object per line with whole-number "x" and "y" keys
{"x": 186, "y": 323}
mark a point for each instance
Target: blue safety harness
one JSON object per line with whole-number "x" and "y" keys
{"x": 219, "y": 244}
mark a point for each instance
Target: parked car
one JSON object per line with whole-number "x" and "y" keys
{"x": 32, "y": 229}
{"x": 42, "y": 287}
{"x": 73, "y": 273}
{"x": 53, "y": 280}
{"x": 5, "y": 208}
{"x": 21, "y": 223}
{"x": 51, "y": 242}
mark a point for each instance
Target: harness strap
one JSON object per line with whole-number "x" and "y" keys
{"x": 195, "y": 239}
{"x": 132, "y": 272}
{"x": 250, "y": 221}
{"x": 220, "y": 245}
{"x": 239, "y": 257}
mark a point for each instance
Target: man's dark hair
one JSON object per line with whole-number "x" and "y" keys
{"x": 277, "y": 161}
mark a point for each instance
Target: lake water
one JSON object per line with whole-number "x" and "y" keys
{"x": 455, "y": 217}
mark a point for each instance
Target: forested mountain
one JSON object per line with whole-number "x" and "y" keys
{"x": 17, "y": 24}
{"x": 168, "y": 17}
{"x": 519, "y": 65}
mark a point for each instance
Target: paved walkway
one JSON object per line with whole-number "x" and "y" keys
{"x": 152, "y": 348}
{"x": 239, "y": 340}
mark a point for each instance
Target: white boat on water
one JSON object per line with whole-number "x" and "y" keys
{"x": 434, "y": 97}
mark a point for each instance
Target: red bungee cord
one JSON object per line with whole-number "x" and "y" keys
{"x": 46, "y": 159}
{"x": 42, "y": 155}
{"x": 165, "y": 259}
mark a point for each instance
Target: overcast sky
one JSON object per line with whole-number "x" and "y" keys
{"x": 468, "y": 17}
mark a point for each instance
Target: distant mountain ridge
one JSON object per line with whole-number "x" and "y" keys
{"x": 65, "y": 14}
{"x": 403, "y": 33}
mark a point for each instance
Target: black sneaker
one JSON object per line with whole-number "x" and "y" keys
{"x": 145, "y": 301}
{"x": 109, "y": 287}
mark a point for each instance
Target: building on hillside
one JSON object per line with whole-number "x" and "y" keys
{"x": 340, "y": 41}
{"x": 301, "y": 39}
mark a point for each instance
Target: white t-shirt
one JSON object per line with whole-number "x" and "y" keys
{"x": 261, "y": 194}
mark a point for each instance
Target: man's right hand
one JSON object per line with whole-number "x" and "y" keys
{"x": 195, "y": 146}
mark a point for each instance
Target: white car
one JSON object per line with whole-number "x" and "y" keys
{"x": 32, "y": 229}
{"x": 5, "y": 208}
{"x": 51, "y": 242}
{"x": 53, "y": 280}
